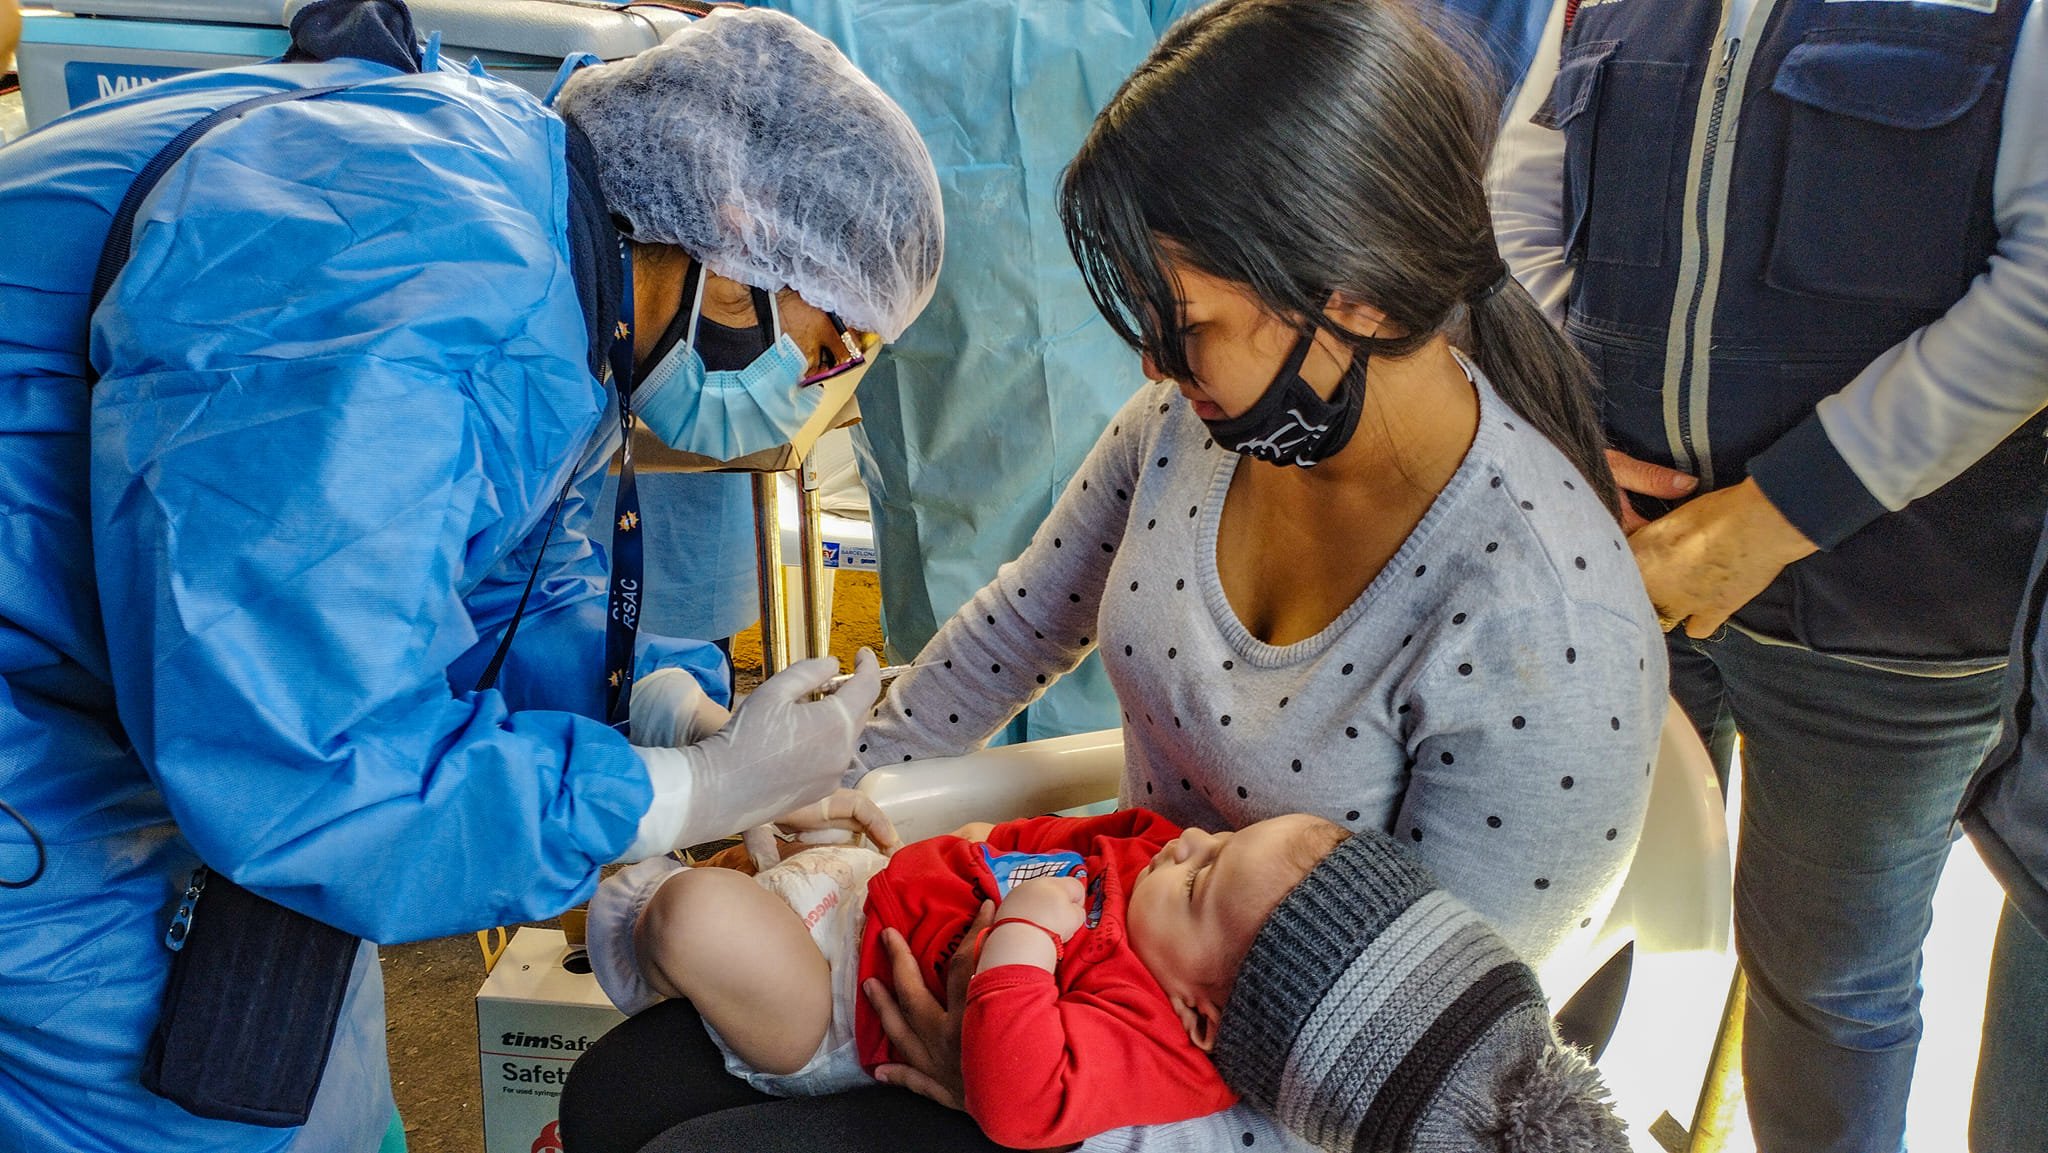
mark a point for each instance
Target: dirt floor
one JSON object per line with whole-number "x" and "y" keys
{"x": 430, "y": 986}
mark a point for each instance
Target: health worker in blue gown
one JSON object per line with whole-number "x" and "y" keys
{"x": 267, "y": 512}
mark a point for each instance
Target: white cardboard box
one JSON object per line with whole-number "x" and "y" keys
{"x": 533, "y": 1019}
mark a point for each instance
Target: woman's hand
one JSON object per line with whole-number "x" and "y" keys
{"x": 925, "y": 1033}
{"x": 1705, "y": 559}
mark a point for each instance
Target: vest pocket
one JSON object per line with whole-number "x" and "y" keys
{"x": 1884, "y": 166}
{"x": 1620, "y": 121}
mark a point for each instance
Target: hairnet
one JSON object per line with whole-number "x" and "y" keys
{"x": 751, "y": 143}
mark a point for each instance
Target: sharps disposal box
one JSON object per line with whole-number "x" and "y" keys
{"x": 533, "y": 1019}
{"x": 88, "y": 49}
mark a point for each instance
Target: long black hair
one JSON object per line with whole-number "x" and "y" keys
{"x": 1304, "y": 147}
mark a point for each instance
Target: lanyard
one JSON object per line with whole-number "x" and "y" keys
{"x": 622, "y": 620}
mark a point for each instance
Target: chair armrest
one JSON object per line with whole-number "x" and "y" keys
{"x": 926, "y": 798}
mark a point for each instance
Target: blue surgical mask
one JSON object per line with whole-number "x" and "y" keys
{"x": 729, "y": 413}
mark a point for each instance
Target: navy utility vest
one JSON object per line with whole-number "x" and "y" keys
{"x": 1754, "y": 214}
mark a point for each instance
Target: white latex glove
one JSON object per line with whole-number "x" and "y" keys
{"x": 670, "y": 710}
{"x": 781, "y": 749}
{"x": 836, "y": 820}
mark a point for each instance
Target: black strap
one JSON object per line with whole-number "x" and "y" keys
{"x": 490, "y": 677}
{"x": 121, "y": 232}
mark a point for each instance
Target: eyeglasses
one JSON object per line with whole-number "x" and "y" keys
{"x": 855, "y": 355}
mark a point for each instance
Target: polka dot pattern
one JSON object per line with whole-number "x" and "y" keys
{"x": 1439, "y": 712}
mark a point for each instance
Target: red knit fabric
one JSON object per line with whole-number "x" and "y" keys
{"x": 1048, "y": 1058}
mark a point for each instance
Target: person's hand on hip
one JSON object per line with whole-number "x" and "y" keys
{"x": 1705, "y": 559}
{"x": 845, "y": 811}
{"x": 1642, "y": 477}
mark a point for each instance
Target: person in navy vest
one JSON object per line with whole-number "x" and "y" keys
{"x": 1805, "y": 245}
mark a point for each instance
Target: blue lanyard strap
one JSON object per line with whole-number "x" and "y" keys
{"x": 622, "y": 621}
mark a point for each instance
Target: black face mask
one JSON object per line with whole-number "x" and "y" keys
{"x": 1289, "y": 423}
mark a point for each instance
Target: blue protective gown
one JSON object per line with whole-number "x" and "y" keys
{"x": 248, "y": 581}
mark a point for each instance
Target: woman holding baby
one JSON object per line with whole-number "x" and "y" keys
{"x": 1353, "y": 554}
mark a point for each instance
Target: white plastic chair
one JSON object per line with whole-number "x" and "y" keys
{"x": 1676, "y": 896}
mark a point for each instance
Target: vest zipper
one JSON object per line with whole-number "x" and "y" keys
{"x": 1689, "y": 345}
{"x": 1691, "y": 458}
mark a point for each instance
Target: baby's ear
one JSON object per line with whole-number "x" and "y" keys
{"x": 1200, "y": 1019}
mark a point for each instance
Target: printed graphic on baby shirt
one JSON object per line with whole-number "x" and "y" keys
{"x": 1013, "y": 869}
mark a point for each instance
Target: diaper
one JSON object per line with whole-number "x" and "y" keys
{"x": 826, "y": 886}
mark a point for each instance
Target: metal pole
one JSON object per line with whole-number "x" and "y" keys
{"x": 810, "y": 541}
{"x": 1721, "y": 1091}
{"x": 768, "y": 571}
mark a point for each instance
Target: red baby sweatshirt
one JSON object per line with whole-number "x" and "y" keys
{"x": 1047, "y": 1058}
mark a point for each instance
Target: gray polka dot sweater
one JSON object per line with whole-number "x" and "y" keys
{"x": 1492, "y": 699}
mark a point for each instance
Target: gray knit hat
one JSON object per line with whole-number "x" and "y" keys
{"x": 1376, "y": 1013}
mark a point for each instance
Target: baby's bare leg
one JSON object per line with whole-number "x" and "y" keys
{"x": 744, "y": 959}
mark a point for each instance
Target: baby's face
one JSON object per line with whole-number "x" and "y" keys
{"x": 1195, "y": 909}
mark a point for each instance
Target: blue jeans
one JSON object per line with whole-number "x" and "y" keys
{"x": 1851, "y": 777}
{"x": 2009, "y": 1113}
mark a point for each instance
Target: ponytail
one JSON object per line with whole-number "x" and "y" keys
{"x": 1540, "y": 375}
{"x": 1343, "y": 149}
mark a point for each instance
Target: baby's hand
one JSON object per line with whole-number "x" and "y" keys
{"x": 1057, "y": 903}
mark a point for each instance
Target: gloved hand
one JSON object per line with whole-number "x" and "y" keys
{"x": 781, "y": 749}
{"x": 836, "y": 820}
{"x": 845, "y": 811}
{"x": 671, "y": 709}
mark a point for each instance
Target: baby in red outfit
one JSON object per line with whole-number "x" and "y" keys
{"x": 1096, "y": 994}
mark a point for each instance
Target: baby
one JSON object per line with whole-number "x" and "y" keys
{"x": 1097, "y": 992}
